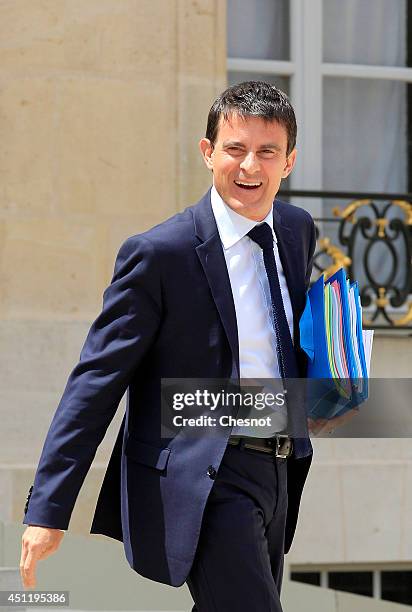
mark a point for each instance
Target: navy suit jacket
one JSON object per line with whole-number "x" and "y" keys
{"x": 169, "y": 313}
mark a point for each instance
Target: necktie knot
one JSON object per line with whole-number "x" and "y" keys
{"x": 262, "y": 235}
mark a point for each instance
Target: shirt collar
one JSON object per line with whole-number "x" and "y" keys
{"x": 231, "y": 226}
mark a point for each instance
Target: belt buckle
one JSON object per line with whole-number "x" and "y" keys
{"x": 279, "y": 438}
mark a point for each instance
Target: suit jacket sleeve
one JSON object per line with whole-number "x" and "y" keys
{"x": 115, "y": 344}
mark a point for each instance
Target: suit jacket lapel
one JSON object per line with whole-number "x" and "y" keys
{"x": 210, "y": 253}
{"x": 291, "y": 266}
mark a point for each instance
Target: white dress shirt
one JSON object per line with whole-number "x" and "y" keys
{"x": 253, "y": 305}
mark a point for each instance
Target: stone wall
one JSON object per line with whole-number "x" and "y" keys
{"x": 102, "y": 104}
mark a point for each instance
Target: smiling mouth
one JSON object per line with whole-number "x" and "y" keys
{"x": 248, "y": 186}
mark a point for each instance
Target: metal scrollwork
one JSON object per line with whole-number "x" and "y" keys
{"x": 338, "y": 257}
{"x": 393, "y": 234}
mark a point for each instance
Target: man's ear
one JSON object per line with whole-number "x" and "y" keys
{"x": 290, "y": 162}
{"x": 206, "y": 149}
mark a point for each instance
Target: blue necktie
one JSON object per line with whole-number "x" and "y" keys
{"x": 288, "y": 366}
{"x": 263, "y": 236}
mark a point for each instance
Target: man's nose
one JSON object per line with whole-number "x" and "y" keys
{"x": 250, "y": 164}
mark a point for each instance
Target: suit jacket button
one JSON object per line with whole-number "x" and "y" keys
{"x": 28, "y": 499}
{"x": 211, "y": 472}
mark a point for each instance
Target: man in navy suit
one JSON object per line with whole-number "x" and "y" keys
{"x": 193, "y": 298}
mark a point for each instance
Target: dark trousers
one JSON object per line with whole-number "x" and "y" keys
{"x": 238, "y": 564}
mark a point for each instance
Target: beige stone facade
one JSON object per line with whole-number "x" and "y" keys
{"x": 102, "y": 104}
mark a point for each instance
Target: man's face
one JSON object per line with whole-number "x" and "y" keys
{"x": 248, "y": 162}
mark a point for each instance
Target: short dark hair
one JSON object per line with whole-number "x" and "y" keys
{"x": 253, "y": 99}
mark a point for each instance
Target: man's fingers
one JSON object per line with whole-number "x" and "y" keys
{"x": 311, "y": 424}
{"x": 28, "y": 570}
{"x": 316, "y": 425}
{"x": 22, "y": 563}
{"x": 29, "y": 562}
{"x": 23, "y": 555}
{"x": 338, "y": 421}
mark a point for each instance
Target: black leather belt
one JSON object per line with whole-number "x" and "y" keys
{"x": 279, "y": 446}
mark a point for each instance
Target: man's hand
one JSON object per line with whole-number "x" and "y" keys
{"x": 327, "y": 426}
{"x": 37, "y": 543}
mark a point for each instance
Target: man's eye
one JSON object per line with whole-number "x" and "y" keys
{"x": 235, "y": 149}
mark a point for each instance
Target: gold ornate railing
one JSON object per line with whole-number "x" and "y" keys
{"x": 370, "y": 235}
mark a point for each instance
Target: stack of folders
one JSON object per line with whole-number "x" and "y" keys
{"x": 338, "y": 349}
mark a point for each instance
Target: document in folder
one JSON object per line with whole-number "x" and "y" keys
{"x": 338, "y": 350}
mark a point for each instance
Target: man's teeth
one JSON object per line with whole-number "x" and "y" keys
{"x": 242, "y": 184}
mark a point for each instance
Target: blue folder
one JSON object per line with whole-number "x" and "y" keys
{"x": 328, "y": 396}
{"x": 340, "y": 277}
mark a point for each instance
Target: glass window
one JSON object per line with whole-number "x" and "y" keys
{"x": 365, "y": 148}
{"x": 258, "y": 29}
{"x": 397, "y": 586}
{"x": 306, "y": 577}
{"x": 364, "y": 135}
{"x": 281, "y": 82}
{"x": 360, "y": 583}
{"x": 366, "y": 32}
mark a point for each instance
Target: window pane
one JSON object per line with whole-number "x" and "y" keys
{"x": 397, "y": 586}
{"x": 306, "y": 577}
{"x": 366, "y": 32}
{"x": 365, "y": 148}
{"x": 259, "y": 29}
{"x": 281, "y": 82}
{"x": 352, "y": 582}
{"x": 364, "y": 135}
